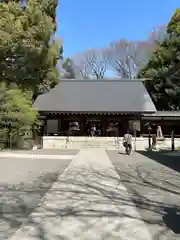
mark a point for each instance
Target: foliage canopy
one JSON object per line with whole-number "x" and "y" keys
{"x": 28, "y": 59}
{"x": 28, "y": 53}
{"x": 164, "y": 69}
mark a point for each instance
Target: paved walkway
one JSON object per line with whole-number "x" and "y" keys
{"x": 87, "y": 202}
{"x": 35, "y": 155}
{"x": 153, "y": 180}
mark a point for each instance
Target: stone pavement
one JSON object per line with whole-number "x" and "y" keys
{"x": 39, "y": 154}
{"x": 153, "y": 182}
{"x": 23, "y": 183}
{"x": 87, "y": 202}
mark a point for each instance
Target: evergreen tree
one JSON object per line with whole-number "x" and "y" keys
{"x": 27, "y": 56}
{"x": 69, "y": 69}
{"x": 28, "y": 59}
{"x": 164, "y": 69}
{"x": 16, "y": 113}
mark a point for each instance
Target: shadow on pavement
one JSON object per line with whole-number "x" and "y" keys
{"x": 122, "y": 153}
{"x": 153, "y": 184}
{"x": 172, "y": 219}
{"x": 85, "y": 194}
{"x": 17, "y": 201}
{"x": 172, "y": 162}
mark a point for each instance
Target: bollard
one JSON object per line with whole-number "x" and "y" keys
{"x": 135, "y": 140}
{"x": 149, "y": 140}
{"x": 154, "y": 142}
{"x": 172, "y": 141}
{"x": 149, "y": 135}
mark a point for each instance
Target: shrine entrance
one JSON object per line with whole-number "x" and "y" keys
{"x": 87, "y": 125}
{"x": 93, "y": 128}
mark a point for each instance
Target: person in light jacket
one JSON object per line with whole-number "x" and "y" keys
{"x": 127, "y": 142}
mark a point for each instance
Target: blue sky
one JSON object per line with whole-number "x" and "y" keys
{"x": 85, "y": 24}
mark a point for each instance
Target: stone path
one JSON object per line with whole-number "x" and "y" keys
{"x": 23, "y": 183}
{"x": 153, "y": 181}
{"x": 87, "y": 202}
{"x": 34, "y": 155}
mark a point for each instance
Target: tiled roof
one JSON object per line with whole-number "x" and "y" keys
{"x": 106, "y": 96}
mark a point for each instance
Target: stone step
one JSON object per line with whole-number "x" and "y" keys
{"x": 88, "y": 145}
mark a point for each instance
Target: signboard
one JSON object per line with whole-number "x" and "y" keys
{"x": 171, "y": 118}
{"x": 151, "y": 118}
{"x": 160, "y": 118}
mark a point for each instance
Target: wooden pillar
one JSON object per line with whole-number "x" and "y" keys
{"x": 141, "y": 126}
{"x": 59, "y": 126}
{"x": 82, "y": 120}
{"x": 172, "y": 141}
{"x": 119, "y": 120}
{"x": 62, "y": 125}
{"x": 44, "y": 128}
{"x": 104, "y": 126}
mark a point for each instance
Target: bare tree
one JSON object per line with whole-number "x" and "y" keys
{"x": 91, "y": 64}
{"x": 127, "y": 57}
{"x": 124, "y": 58}
{"x": 158, "y": 35}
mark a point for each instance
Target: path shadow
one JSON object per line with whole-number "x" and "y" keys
{"x": 85, "y": 194}
{"x": 122, "y": 153}
{"x": 172, "y": 219}
{"x": 172, "y": 162}
{"x": 17, "y": 201}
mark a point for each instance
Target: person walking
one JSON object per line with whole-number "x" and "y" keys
{"x": 93, "y": 130}
{"x": 127, "y": 142}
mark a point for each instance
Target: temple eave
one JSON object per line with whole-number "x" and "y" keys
{"x": 90, "y": 113}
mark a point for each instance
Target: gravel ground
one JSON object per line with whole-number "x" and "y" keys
{"x": 45, "y": 151}
{"x": 153, "y": 181}
{"x": 23, "y": 182}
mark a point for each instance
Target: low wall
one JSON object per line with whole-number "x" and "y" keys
{"x": 167, "y": 143}
{"x": 141, "y": 143}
